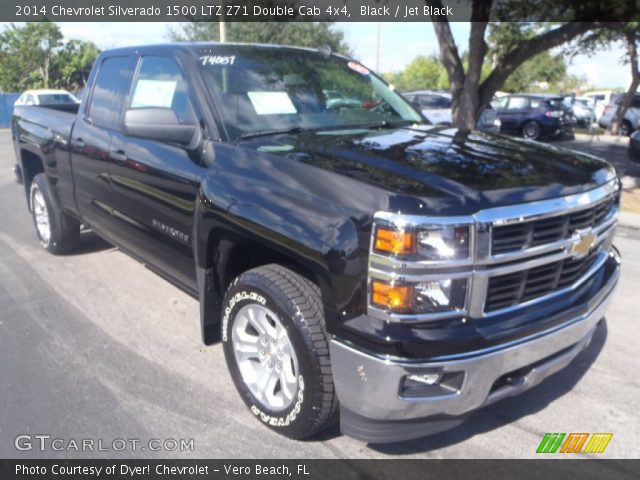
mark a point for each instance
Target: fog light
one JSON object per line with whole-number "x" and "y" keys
{"x": 431, "y": 384}
{"x": 425, "y": 378}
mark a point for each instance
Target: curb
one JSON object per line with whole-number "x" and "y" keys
{"x": 629, "y": 220}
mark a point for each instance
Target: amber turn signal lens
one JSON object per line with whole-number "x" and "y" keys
{"x": 395, "y": 241}
{"x": 394, "y": 297}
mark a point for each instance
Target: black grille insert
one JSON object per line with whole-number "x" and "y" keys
{"x": 511, "y": 238}
{"x": 514, "y": 288}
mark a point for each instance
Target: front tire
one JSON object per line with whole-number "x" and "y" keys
{"x": 58, "y": 232}
{"x": 531, "y": 130}
{"x": 277, "y": 351}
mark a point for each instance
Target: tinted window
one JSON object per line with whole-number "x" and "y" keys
{"x": 434, "y": 101}
{"x": 56, "y": 99}
{"x": 636, "y": 102}
{"x": 160, "y": 84}
{"x": 107, "y": 92}
{"x": 518, "y": 103}
{"x": 499, "y": 102}
{"x": 259, "y": 89}
{"x": 555, "y": 102}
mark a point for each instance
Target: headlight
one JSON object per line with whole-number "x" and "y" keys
{"x": 434, "y": 296}
{"x": 420, "y": 266}
{"x": 437, "y": 242}
{"x": 445, "y": 242}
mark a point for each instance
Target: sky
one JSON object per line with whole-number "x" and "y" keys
{"x": 400, "y": 43}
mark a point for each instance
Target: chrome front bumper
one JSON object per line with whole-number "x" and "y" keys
{"x": 371, "y": 386}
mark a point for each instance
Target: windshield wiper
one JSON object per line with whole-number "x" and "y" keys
{"x": 385, "y": 124}
{"x": 282, "y": 131}
{"x": 296, "y": 130}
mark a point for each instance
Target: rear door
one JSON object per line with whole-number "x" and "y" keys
{"x": 155, "y": 183}
{"x": 515, "y": 114}
{"x": 91, "y": 138}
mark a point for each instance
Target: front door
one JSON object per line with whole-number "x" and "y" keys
{"x": 155, "y": 183}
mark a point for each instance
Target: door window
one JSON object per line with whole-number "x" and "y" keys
{"x": 107, "y": 93}
{"x": 160, "y": 84}
{"x": 518, "y": 103}
{"x": 500, "y": 102}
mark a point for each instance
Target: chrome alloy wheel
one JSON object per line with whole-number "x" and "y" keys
{"x": 41, "y": 216}
{"x": 265, "y": 356}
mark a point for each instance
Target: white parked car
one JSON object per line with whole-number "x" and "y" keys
{"x": 46, "y": 97}
{"x": 436, "y": 107}
{"x": 599, "y": 101}
{"x": 631, "y": 116}
{"x": 583, "y": 109}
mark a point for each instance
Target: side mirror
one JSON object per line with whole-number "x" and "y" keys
{"x": 160, "y": 124}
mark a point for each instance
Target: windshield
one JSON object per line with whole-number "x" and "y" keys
{"x": 260, "y": 90}
{"x": 56, "y": 99}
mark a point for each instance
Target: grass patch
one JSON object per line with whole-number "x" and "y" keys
{"x": 594, "y": 131}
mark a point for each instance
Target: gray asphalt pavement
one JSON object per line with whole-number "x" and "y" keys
{"x": 94, "y": 346}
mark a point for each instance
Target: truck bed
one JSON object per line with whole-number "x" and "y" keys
{"x": 39, "y": 124}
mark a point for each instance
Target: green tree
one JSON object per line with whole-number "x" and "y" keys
{"x": 301, "y": 34}
{"x": 422, "y": 73}
{"x": 73, "y": 64}
{"x": 544, "y": 67}
{"x": 628, "y": 34}
{"x": 26, "y": 55}
{"x": 514, "y": 43}
{"x": 35, "y": 55}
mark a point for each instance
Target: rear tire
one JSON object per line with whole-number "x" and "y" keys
{"x": 531, "y": 130}
{"x": 58, "y": 232}
{"x": 277, "y": 350}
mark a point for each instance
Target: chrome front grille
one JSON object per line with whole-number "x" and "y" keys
{"x": 520, "y": 254}
{"x": 512, "y": 238}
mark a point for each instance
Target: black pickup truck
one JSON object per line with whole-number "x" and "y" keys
{"x": 354, "y": 260}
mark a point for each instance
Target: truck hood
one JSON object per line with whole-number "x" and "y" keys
{"x": 448, "y": 169}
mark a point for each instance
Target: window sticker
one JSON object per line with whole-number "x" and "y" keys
{"x": 272, "y": 103}
{"x": 218, "y": 59}
{"x": 356, "y": 67}
{"x": 154, "y": 93}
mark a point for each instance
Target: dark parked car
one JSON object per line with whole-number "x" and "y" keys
{"x": 634, "y": 145}
{"x": 534, "y": 116}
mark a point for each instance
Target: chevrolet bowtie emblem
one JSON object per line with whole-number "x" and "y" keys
{"x": 583, "y": 240}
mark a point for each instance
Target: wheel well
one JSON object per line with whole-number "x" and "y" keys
{"x": 230, "y": 257}
{"x": 31, "y": 166}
